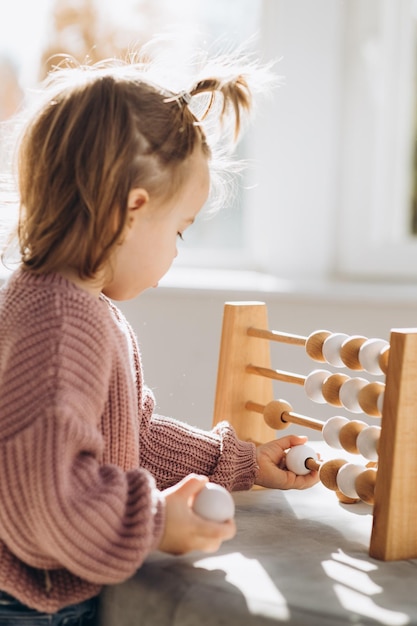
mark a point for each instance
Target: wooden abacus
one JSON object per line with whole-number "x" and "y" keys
{"x": 244, "y": 396}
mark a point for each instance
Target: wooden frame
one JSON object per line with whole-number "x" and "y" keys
{"x": 244, "y": 387}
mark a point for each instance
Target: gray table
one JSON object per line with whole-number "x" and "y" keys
{"x": 299, "y": 557}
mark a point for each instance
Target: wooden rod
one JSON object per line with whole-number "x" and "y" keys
{"x": 302, "y": 420}
{"x": 286, "y": 377}
{"x": 274, "y": 335}
{"x": 288, "y": 416}
{"x": 312, "y": 464}
{"x": 254, "y": 406}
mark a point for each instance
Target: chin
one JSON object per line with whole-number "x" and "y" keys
{"x": 121, "y": 295}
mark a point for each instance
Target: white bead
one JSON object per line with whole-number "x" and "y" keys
{"x": 348, "y": 394}
{"x": 346, "y": 477}
{"x": 296, "y": 457}
{"x": 369, "y": 354}
{"x": 331, "y": 349}
{"x": 331, "y": 430}
{"x": 313, "y": 385}
{"x": 367, "y": 442}
{"x": 380, "y": 402}
{"x": 214, "y": 503}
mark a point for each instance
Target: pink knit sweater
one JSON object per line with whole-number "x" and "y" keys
{"x": 82, "y": 455}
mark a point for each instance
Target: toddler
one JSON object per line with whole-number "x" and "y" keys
{"x": 112, "y": 169}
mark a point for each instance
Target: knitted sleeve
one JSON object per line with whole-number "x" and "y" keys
{"x": 171, "y": 449}
{"x": 61, "y": 506}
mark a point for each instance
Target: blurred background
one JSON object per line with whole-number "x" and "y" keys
{"x": 323, "y": 227}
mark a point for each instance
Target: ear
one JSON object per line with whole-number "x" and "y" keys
{"x": 137, "y": 198}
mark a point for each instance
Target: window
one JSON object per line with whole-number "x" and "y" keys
{"x": 332, "y": 187}
{"x": 334, "y": 150}
{"x": 92, "y": 30}
{"x": 377, "y": 230}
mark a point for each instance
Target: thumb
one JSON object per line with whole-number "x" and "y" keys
{"x": 191, "y": 485}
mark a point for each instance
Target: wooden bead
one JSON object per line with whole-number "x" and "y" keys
{"x": 365, "y": 485}
{"x": 346, "y": 478}
{"x": 331, "y": 387}
{"x": 313, "y": 385}
{"x": 349, "y": 434}
{"x": 345, "y": 499}
{"x": 383, "y": 359}
{"x": 349, "y": 352}
{"x": 328, "y": 473}
{"x": 314, "y": 345}
{"x": 331, "y": 349}
{"x": 273, "y": 414}
{"x": 349, "y": 391}
{"x": 369, "y": 398}
{"x": 369, "y": 354}
{"x": 331, "y": 430}
{"x": 367, "y": 442}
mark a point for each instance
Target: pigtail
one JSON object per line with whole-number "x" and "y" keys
{"x": 219, "y": 102}
{"x": 236, "y": 95}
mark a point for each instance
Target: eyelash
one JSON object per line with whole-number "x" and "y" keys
{"x": 180, "y": 236}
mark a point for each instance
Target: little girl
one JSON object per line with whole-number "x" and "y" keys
{"x": 112, "y": 169}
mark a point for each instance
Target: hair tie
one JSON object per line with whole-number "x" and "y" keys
{"x": 184, "y": 97}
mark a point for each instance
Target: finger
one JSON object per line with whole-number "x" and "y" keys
{"x": 291, "y": 440}
{"x": 295, "y": 481}
{"x": 212, "y": 534}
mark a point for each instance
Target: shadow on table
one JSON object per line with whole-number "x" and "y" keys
{"x": 316, "y": 555}
{"x": 280, "y": 568}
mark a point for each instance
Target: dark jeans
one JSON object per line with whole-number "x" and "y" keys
{"x": 13, "y": 613}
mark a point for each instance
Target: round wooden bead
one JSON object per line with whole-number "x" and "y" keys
{"x": 369, "y": 355}
{"x": 349, "y": 434}
{"x": 348, "y": 394}
{"x": 328, "y": 473}
{"x": 214, "y": 503}
{"x": 273, "y": 414}
{"x": 383, "y": 359}
{"x": 365, "y": 485}
{"x": 346, "y": 478}
{"x": 331, "y": 388}
{"x": 349, "y": 351}
{"x": 345, "y": 499}
{"x": 369, "y": 398}
{"x": 313, "y": 385}
{"x": 331, "y": 349}
{"x": 296, "y": 457}
{"x": 367, "y": 442}
{"x": 331, "y": 429}
{"x": 314, "y": 345}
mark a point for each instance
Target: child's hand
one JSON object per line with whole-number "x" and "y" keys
{"x": 271, "y": 462}
{"x": 185, "y": 530}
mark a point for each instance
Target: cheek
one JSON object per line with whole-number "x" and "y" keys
{"x": 171, "y": 252}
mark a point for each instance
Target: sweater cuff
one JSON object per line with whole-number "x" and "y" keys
{"x": 237, "y": 466}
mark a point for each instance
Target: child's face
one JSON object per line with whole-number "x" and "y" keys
{"x": 150, "y": 242}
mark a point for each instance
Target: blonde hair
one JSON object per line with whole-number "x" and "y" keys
{"x": 101, "y": 131}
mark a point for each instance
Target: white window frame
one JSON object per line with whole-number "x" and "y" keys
{"x": 378, "y": 136}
